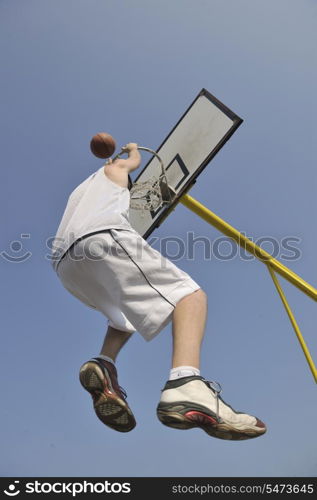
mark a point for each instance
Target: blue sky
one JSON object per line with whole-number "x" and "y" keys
{"x": 71, "y": 68}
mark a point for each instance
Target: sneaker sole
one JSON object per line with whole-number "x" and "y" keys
{"x": 193, "y": 418}
{"x": 109, "y": 407}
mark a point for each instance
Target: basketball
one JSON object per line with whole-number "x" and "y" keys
{"x": 102, "y": 145}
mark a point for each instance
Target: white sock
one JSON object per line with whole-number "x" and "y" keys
{"x": 183, "y": 371}
{"x": 106, "y": 358}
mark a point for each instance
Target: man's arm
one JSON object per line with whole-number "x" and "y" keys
{"x": 134, "y": 159}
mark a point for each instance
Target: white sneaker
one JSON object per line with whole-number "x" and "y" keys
{"x": 195, "y": 402}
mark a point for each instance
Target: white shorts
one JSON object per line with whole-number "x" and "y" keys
{"x": 118, "y": 273}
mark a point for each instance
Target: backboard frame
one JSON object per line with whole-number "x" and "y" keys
{"x": 237, "y": 121}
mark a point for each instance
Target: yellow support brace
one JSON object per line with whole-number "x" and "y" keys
{"x": 272, "y": 264}
{"x": 294, "y": 323}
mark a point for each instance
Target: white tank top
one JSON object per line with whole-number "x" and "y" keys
{"x": 95, "y": 205}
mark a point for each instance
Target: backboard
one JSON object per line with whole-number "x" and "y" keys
{"x": 197, "y": 137}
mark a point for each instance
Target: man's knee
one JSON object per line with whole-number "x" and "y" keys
{"x": 202, "y": 295}
{"x": 199, "y": 295}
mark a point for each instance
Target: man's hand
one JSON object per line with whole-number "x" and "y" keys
{"x": 134, "y": 159}
{"x": 129, "y": 147}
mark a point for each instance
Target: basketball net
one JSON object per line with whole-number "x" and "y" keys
{"x": 152, "y": 193}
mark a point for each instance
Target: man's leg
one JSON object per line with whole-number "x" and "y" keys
{"x": 113, "y": 342}
{"x": 188, "y": 400}
{"x": 99, "y": 377}
{"x": 189, "y": 321}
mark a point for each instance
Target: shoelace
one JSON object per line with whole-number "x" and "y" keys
{"x": 217, "y": 389}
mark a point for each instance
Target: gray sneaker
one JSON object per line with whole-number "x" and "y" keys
{"x": 190, "y": 402}
{"x": 99, "y": 378}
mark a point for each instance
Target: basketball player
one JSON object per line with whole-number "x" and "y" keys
{"x": 107, "y": 265}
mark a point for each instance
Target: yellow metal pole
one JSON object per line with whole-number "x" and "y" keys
{"x": 249, "y": 245}
{"x": 294, "y": 323}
